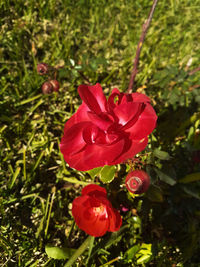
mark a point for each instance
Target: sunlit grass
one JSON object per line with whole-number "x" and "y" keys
{"x": 98, "y": 39}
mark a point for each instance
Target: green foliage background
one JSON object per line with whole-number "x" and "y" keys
{"x": 98, "y": 40}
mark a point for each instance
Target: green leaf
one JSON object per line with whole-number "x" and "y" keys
{"x": 154, "y": 194}
{"x": 165, "y": 177}
{"x": 79, "y": 251}
{"x": 192, "y": 192}
{"x": 107, "y": 174}
{"x": 91, "y": 245}
{"x": 144, "y": 259}
{"x": 94, "y": 172}
{"x": 197, "y": 99}
{"x": 187, "y": 122}
{"x": 115, "y": 237}
{"x": 161, "y": 154}
{"x": 144, "y": 254}
{"x": 190, "y": 178}
{"x": 59, "y": 253}
{"x": 15, "y": 175}
{"x": 130, "y": 253}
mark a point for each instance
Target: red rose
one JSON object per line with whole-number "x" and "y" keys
{"x": 106, "y": 132}
{"x": 93, "y": 212}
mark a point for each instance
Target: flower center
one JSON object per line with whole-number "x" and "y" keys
{"x": 100, "y": 210}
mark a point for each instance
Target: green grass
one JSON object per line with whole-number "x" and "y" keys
{"x": 98, "y": 38}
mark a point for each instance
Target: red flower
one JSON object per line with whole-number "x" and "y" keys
{"x": 137, "y": 182}
{"x": 107, "y": 132}
{"x": 93, "y": 212}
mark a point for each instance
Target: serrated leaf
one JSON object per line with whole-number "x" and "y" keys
{"x": 94, "y": 172}
{"x": 165, "y": 177}
{"x": 59, "y": 253}
{"x": 190, "y": 178}
{"x": 163, "y": 155}
{"x": 107, "y": 174}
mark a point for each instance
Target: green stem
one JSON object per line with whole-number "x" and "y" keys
{"x": 113, "y": 260}
{"x": 49, "y": 214}
{"x": 79, "y": 251}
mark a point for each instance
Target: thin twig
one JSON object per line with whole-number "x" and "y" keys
{"x": 83, "y": 76}
{"x": 139, "y": 46}
{"x": 191, "y": 88}
{"x": 194, "y": 70}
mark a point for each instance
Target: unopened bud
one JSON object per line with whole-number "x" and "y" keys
{"x": 55, "y": 85}
{"x": 47, "y": 88}
{"x": 42, "y": 68}
{"x": 137, "y": 182}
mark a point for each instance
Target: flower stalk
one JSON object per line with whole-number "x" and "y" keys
{"x": 79, "y": 251}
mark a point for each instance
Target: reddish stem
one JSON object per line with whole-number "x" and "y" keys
{"x": 83, "y": 76}
{"x": 139, "y": 47}
{"x": 193, "y": 71}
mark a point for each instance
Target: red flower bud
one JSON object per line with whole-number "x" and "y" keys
{"x": 42, "y": 68}
{"x": 55, "y": 85}
{"x": 47, "y": 88}
{"x": 137, "y": 182}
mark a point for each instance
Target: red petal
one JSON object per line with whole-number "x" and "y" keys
{"x": 136, "y": 147}
{"x": 73, "y": 141}
{"x": 125, "y": 112}
{"x": 103, "y": 120}
{"x": 78, "y": 207}
{"x": 115, "y": 220}
{"x": 97, "y": 225}
{"x": 80, "y": 116}
{"x": 93, "y": 188}
{"x": 97, "y": 228}
{"x": 141, "y": 98}
{"x": 93, "y": 156}
{"x": 144, "y": 125}
{"x": 90, "y": 133}
{"x": 82, "y": 210}
{"x": 93, "y": 97}
{"x": 114, "y": 99}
